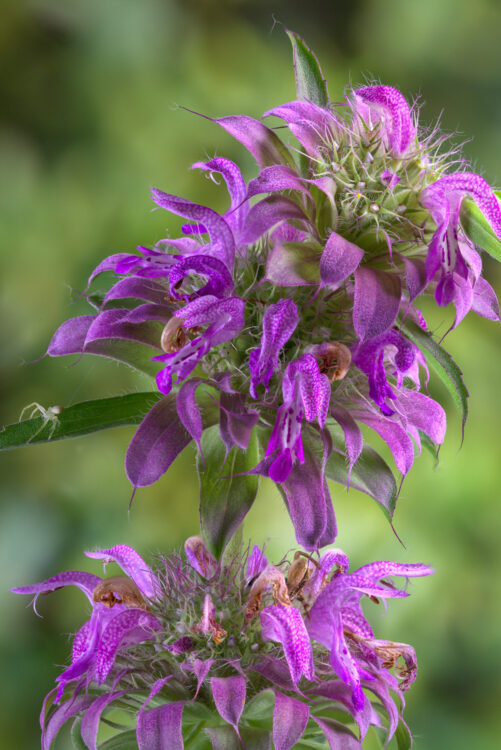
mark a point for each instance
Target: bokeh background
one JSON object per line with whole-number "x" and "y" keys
{"x": 90, "y": 93}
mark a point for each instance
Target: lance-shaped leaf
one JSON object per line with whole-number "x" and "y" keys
{"x": 310, "y": 83}
{"x": 478, "y": 229}
{"x": 160, "y": 728}
{"x": 229, "y": 697}
{"x": 161, "y": 436}
{"x": 340, "y": 259}
{"x": 266, "y": 214}
{"x": 290, "y": 718}
{"x": 443, "y": 364}
{"x": 226, "y": 491}
{"x": 264, "y": 145}
{"x": 80, "y": 419}
{"x": 370, "y": 474}
{"x": 337, "y": 734}
{"x": 376, "y": 303}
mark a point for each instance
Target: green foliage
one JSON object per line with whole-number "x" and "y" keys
{"x": 478, "y": 229}
{"x": 370, "y": 474}
{"x": 226, "y": 493}
{"x": 79, "y": 419}
{"x": 310, "y": 83}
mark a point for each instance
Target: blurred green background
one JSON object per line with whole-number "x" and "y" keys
{"x": 90, "y": 93}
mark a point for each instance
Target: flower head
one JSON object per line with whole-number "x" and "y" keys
{"x": 192, "y": 639}
{"x": 290, "y": 319}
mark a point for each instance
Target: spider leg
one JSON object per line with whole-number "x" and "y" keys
{"x": 36, "y": 407}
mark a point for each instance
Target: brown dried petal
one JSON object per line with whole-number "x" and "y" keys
{"x": 118, "y": 590}
{"x": 335, "y": 360}
{"x": 273, "y": 577}
{"x": 173, "y": 336}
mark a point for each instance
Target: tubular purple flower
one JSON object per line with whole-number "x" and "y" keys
{"x": 279, "y": 323}
{"x": 306, "y": 395}
{"x": 392, "y": 110}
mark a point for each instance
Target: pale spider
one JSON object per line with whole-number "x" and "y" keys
{"x": 51, "y": 414}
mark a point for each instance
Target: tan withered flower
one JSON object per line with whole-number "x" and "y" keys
{"x": 271, "y": 576}
{"x": 118, "y": 590}
{"x": 335, "y": 360}
{"x": 173, "y": 336}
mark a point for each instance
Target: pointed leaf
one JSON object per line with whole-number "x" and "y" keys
{"x": 80, "y": 419}
{"x": 443, "y": 364}
{"x": 225, "y": 498}
{"x": 478, "y": 229}
{"x": 370, "y": 474}
{"x": 310, "y": 83}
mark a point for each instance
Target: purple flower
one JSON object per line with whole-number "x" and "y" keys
{"x": 390, "y": 108}
{"x": 294, "y": 308}
{"x": 450, "y": 252}
{"x": 279, "y": 323}
{"x": 160, "y": 641}
{"x": 306, "y": 394}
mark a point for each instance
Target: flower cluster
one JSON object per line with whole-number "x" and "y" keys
{"x": 246, "y": 648}
{"x": 292, "y": 315}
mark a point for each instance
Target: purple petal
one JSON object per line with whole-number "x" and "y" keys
{"x": 461, "y": 184}
{"x": 285, "y": 625}
{"x": 311, "y": 124}
{"x": 485, "y": 302}
{"x": 137, "y": 288}
{"x": 131, "y": 626}
{"x": 132, "y": 565}
{"x": 340, "y": 259}
{"x": 275, "y": 671}
{"x": 319, "y": 578}
{"x": 268, "y": 213}
{"x": 264, "y": 145}
{"x": 236, "y": 188}
{"x": 353, "y": 437}
{"x": 201, "y": 669}
{"x": 220, "y": 281}
{"x": 397, "y": 120}
{"x": 308, "y": 501}
{"x": 276, "y": 178}
{"x": 377, "y": 570}
{"x": 229, "y": 697}
{"x": 161, "y": 728}
{"x": 279, "y": 323}
{"x": 158, "y": 440}
{"x": 188, "y": 409}
{"x": 416, "y": 276}
{"x": 376, "y": 303}
{"x": 338, "y": 691}
{"x": 70, "y": 336}
{"x": 108, "y": 264}
{"x": 290, "y": 718}
{"x": 221, "y": 236}
{"x": 256, "y": 563}
{"x": 61, "y": 715}
{"x": 236, "y": 422}
{"x": 394, "y": 436}
{"x": 86, "y": 582}
{"x": 424, "y": 413}
{"x": 111, "y": 324}
{"x": 91, "y": 718}
{"x": 337, "y": 734}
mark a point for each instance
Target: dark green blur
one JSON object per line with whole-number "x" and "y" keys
{"x": 91, "y": 92}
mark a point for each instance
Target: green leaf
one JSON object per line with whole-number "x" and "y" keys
{"x": 370, "y": 474}
{"x": 403, "y": 737}
{"x": 261, "y": 706}
{"x": 130, "y": 353}
{"x": 478, "y": 229}
{"x": 443, "y": 364}
{"x": 310, "y": 83}
{"x": 76, "y": 737}
{"x": 294, "y": 264}
{"x": 123, "y": 741}
{"x": 225, "y": 498}
{"x": 79, "y": 419}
